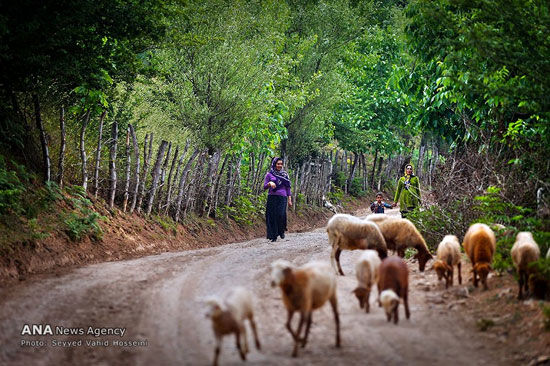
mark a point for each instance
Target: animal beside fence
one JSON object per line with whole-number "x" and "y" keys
{"x": 480, "y": 245}
{"x": 305, "y": 289}
{"x": 393, "y": 284}
{"x": 524, "y": 252}
{"x": 448, "y": 256}
{"x": 351, "y": 233}
{"x": 366, "y": 271}
{"x": 228, "y": 317}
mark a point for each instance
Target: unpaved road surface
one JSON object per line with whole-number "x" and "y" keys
{"x": 160, "y": 299}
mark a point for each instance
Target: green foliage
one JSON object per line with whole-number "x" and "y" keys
{"x": 84, "y": 222}
{"x": 166, "y": 223}
{"x": 336, "y": 196}
{"x": 245, "y": 208}
{"x": 11, "y": 190}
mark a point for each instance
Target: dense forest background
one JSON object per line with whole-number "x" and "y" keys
{"x": 175, "y": 108}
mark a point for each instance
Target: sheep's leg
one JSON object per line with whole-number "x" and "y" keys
{"x": 459, "y": 265}
{"x": 452, "y": 275}
{"x": 337, "y": 254}
{"x": 245, "y": 338}
{"x": 308, "y": 325}
{"x": 406, "y": 302}
{"x": 334, "y": 305}
{"x": 333, "y": 258}
{"x": 298, "y": 332}
{"x": 367, "y": 305}
{"x": 475, "y": 278}
{"x": 290, "y": 315}
{"x": 239, "y": 346}
{"x": 401, "y": 252}
{"x": 520, "y": 282}
{"x": 396, "y": 314}
{"x": 255, "y": 332}
{"x": 217, "y": 350}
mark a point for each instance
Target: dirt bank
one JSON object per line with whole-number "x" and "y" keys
{"x": 128, "y": 236}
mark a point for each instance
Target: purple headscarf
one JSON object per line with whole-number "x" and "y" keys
{"x": 279, "y": 174}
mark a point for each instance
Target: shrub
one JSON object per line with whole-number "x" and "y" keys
{"x": 78, "y": 225}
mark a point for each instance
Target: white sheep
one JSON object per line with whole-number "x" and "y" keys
{"x": 305, "y": 289}
{"x": 390, "y": 302}
{"x": 229, "y": 319}
{"x": 524, "y": 251}
{"x": 448, "y": 256}
{"x": 366, "y": 271}
{"x": 349, "y": 232}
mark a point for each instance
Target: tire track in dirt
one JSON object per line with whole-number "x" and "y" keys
{"x": 160, "y": 298}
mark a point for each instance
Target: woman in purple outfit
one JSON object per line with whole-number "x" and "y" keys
{"x": 278, "y": 196}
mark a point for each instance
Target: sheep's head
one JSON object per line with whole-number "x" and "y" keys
{"x": 214, "y": 309}
{"x": 483, "y": 269}
{"x": 389, "y": 301}
{"x": 423, "y": 258}
{"x": 441, "y": 269}
{"x": 361, "y": 293}
{"x": 279, "y": 270}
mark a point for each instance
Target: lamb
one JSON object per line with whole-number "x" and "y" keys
{"x": 400, "y": 234}
{"x": 366, "y": 271}
{"x": 448, "y": 256}
{"x": 393, "y": 283}
{"x": 524, "y": 251}
{"x": 305, "y": 289}
{"x": 480, "y": 245}
{"x": 229, "y": 319}
{"x": 349, "y": 232}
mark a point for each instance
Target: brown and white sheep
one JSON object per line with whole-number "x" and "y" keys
{"x": 366, "y": 271}
{"x": 480, "y": 245}
{"x": 393, "y": 283}
{"x": 401, "y": 234}
{"x": 448, "y": 256}
{"x": 229, "y": 319}
{"x": 305, "y": 289}
{"x": 524, "y": 251}
{"x": 349, "y": 232}
{"x": 377, "y": 217}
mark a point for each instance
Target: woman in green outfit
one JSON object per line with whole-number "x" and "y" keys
{"x": 408, "y": 192}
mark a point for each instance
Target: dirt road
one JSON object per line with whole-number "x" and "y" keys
{"x": 159, "y": 302}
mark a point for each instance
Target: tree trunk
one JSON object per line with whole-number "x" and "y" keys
{"x": 433, "y": 163}
{"x": 146, "y": 158}
{"x": 136, "y": 154}
{"x": 169, "y": 181}
{"x": 212, "y": 169}
{"x": 128, "y": 169}
{"x": 163, "y": 175}
{"x": 43, "y": 140}
{"x": 195, "y": 187}
{"x": 217, "y": 187}
{"x": 233, "y": 180}
{"x": 98, "y": 154}
{"x": 182, "y": 181}
{"x": 373, "y": 168}
{"x": 112, "y": 164}
{"x": 352, "y": 172}
{"x": 379, "y": 171}
{"x": 156, "y": 176}
{"x": 83, "y": 151}
{"x": 421, "y": 152}
{"x": 173, "y": 184}
{"x": 61, "y": 164}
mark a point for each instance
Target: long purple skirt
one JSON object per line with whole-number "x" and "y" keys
{"x": 275, "y": 216}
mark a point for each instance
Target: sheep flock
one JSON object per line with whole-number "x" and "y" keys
{"x": 308, "y": 287}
